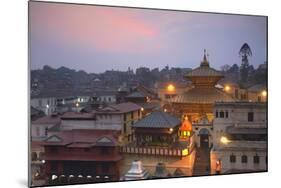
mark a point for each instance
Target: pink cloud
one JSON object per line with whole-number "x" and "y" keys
{"x": 103, "y": 28}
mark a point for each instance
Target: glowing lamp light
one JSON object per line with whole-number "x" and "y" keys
{"x": 142, "y": 109}
{"x": 165, "y": 110}
{"x": 227, "y": 88}
{"x": 224, "y": 140}
{"x": 171, "y": 88}
{"x": 43, "y": 161}
{"x": 47, "y": 106}
{"x": 77, "y": 104}
{"x": 171, "y": 129}
{"x": 264, "y": 93}
{"x": 185, "y": 152}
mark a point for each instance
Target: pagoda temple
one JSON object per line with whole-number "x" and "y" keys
{"x": 198, "y": 101}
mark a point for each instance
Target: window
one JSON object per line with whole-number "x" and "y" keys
{"x": 124, "y": 128}
{"x": 244, "y": 159}
{"x": 259, "y": 98}
{"x": 250, "y": 116}
{"x": 256, "y": 159}
{"x": 232, "y": 158}
{"x": 226, "y": 114}
{"x": 132, "y": 115}
{"x": 37, "y": 131}
{"x": 217, "y": 114}
{"x": 221, "y": 114}
{"x": 46, "y": 131}
{"x": 125, "y": 117}
{"x": 109, "y": 99}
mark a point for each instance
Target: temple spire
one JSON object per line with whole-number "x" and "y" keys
{"x": 205, "y": 61}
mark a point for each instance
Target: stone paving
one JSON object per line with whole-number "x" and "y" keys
{"x": 202, "y": 162}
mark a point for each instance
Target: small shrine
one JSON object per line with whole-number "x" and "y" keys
{"x": 185, "y": 131}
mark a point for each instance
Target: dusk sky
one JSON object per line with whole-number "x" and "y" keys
{"x": 96, "y": 38}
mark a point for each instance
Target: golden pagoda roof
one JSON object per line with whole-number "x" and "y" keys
{"x": 203, "y": 96}
{"x": 204, "y": 69}
{"x": 186, "y": 125}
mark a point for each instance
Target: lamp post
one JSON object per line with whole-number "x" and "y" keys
{"x": 77, "y": 106}
{"x": 224, "y": 140}
{"x": 170, "y": 89}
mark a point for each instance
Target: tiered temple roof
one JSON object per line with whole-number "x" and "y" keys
{"x": 204, "y": 79}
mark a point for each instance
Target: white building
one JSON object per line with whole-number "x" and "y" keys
{"x": 46, "y": 104}
{"x": 40, "y": 127}
{"x": 240, "y": 137}
{"x": 119, "y": 117}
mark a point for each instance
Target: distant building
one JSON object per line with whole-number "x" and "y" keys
{"x": 46, "y": 104}
{"x": 40, "y": 127}
{"x": 119, "y": 117}
{"x": 257, "y": 93}
{"x": 105, "y": 97}
{"x": 240, "y": 137}
{"x": 144, "y": 97}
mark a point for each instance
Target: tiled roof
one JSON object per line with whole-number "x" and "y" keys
{"x": 203, "y": 96}
{"x": 257, "y": 88}
{"x": 119, "y": 108}
{"x": 48, "y": 120}
{"x": 136, "y": 94}
{"x": 82, "y": 138}
{"x": 203, "y": 71}
{"x": 78, "y": 115}
{"x": 158, "y": 119}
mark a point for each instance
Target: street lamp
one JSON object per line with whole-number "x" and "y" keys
{"x": 224, "y": 140}
{"x": 227, "y": 88}
{"x": 171, "y": 88}
{"x": 264, "y": 93}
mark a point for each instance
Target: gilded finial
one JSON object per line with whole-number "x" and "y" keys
{"x": 205, "y": 61}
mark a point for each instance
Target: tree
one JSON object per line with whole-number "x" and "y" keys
{"x": 245, "y": 52}
{"x": 225, "y": 68}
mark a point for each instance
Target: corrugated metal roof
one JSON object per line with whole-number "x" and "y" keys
{"x": 158, "y": 119}
{"x": 203, "y": 95}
